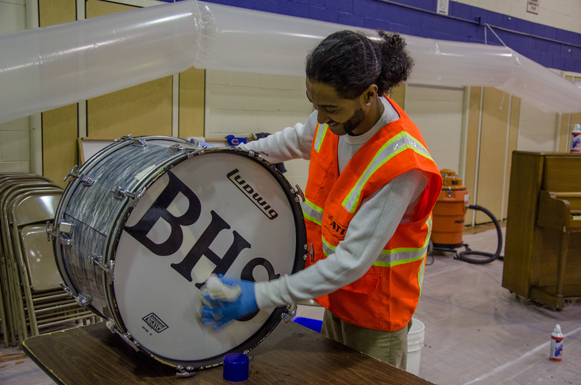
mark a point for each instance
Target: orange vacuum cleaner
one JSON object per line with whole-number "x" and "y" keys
{"x": 449, "y": 212}
{"x": 448, "y": 220}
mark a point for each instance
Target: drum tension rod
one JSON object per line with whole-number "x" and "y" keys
{"x": 289, "y": 313}
{"x": 98, "y": 260}
{"x": 121, "y": 193}
{"x": 298, "y": 192}
{"x": 127, "y": 337}
{"x": 81, "y": 299}
{"x": 188, "y": 371}
{"x": 74, "y": 173}
{"x": 135, "y": 141}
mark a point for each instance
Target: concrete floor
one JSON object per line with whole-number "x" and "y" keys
{"x": 476, "y": 332}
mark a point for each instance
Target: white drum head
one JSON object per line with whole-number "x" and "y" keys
{"x": 239, "y": 202}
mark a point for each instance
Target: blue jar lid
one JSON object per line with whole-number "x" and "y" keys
{"x": 236, "y": 367}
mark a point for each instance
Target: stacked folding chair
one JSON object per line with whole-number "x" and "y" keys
{"x": 32, "y": 298}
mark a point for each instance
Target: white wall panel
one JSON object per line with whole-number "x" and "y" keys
{"x": 437, "y": 111}
{"x": 243, "y": 103}
{"x": 536, "y": 129}
{"x": 12, "y": 16}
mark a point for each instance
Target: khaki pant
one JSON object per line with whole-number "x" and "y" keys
{"x": 390, "y": 347}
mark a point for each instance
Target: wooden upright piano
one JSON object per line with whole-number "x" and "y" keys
{"x": 542, "y": 258}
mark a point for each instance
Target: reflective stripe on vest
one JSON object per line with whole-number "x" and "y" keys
{"x": 312, "y": 212}
{"x": 391, "y": 148}
{"x": 421, "y": 274}
{"x": 320, "y": 136}
{"x": 328, "y": 248}
{"x": 394, "y": 257}
{"x": 390, "y": 258}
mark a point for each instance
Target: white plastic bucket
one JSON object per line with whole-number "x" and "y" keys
{"x": 415, "y": 345}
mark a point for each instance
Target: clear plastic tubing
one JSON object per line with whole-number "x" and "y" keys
{"x": 49, "y": 67}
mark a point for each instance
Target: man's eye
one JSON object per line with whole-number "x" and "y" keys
{"x": 330, "y": 111}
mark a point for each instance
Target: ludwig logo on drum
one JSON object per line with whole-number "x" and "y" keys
{"x": 155, "y": 322}
{"x": 254, "y": 197}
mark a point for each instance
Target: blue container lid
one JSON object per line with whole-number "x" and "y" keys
{"x": 310, "y": 323}
{"x": 236, "y": 367}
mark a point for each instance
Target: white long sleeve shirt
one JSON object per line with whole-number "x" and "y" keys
{"x": 370, "y": 229}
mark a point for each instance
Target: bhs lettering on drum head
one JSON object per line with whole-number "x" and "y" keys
{"x": 160, "y": 210}
{"x": 250, "y": 193}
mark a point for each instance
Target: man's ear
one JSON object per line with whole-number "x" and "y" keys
{"x": 369, "y": 94}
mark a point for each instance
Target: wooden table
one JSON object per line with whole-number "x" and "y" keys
{"x": 291, "y": 354}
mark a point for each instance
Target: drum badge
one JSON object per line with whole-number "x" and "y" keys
{"x": 155, "y": 322}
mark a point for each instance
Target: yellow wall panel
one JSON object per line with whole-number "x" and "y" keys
{"x": 51, "y": 12}
{"x": 472, "y": 146}
{"x": 192, "y": 107}
{"x": 59, "y": 142}
{"x": 398, "y": 95}
{"x": 493, "y": 141}
{"x": 94, "y": 8}
{"x": 512, "y": 146}
{"x": 145, "y": 109}
{"x": 59, "y": 126}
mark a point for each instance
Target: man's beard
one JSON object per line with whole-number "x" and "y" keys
{"x": 354, "y": 121}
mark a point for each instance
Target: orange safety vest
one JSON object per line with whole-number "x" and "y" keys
{"x": 386, "y": 297}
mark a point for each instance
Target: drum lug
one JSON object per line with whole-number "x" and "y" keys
{"x": 310, "y": 251}
{"x": 121, "y": 193}
{"x": 81, "y": 299}
{"x": 289, "y": 313}
{"x": 139, "y": 143}
{"x": 125, "y": 336}
{"x": 182, "y": 372}
{"x": 86, "y": 181}
{"x": 176, "y": 149}
{"x": 298, "y": 193}
{"x": 63, "y": 228}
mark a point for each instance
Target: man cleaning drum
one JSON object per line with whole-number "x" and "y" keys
{"x": 370, "y": 192}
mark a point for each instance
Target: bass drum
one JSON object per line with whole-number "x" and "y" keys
{"x": 145, "y": 222}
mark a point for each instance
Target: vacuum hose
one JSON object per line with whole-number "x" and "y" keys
{"x": 490, "y": 257}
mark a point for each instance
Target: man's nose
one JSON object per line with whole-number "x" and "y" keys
{"x": 322, "y": 118}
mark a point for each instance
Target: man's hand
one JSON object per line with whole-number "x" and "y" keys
{"x": 218, "y": 310}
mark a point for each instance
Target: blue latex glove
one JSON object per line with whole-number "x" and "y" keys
{"x": 220, "y": 313}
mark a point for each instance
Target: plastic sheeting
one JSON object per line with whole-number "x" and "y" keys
{"x": 49, "y": 67}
